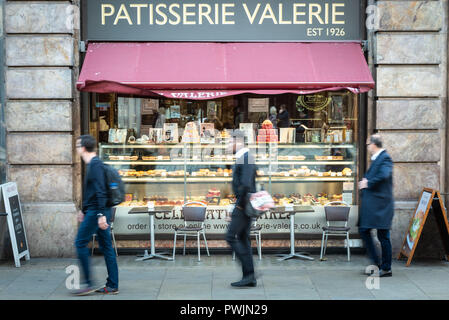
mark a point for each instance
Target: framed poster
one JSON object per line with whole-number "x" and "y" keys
{"x": 175, "y": 112}
{"x": 258, "y": 104}
{"x": 12, "y": 206}
{"x": 171, "y": 132}
{"x": 155, "y": 135}
{"x": 207, "y": 133}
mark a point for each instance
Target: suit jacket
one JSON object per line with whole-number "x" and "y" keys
{"x": 377, "y": 206}
{"x": 244, "y": 178}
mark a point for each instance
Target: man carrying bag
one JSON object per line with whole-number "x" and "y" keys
{"x": 243, "y": 183}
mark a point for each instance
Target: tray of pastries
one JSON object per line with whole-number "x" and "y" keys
{"x": 291, "y": 158}
{"x": 123, "y": 158}
{"x": 305, "y": 199}
{"x": 329, "y": 158}
{"x": 156, "y": 158}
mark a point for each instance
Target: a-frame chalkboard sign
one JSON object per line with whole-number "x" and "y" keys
{"x": 430, "y": 201}
{"x": 11, "y": 205}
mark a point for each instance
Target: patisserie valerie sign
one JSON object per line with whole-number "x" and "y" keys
{"x": 222, "y": 20}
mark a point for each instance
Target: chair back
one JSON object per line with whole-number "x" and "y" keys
{"x": 113, "y": 210}
{"x": 337, "y": 213}
{"x": 194, "y": 213}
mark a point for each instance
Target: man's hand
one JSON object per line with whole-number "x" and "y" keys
{"x": 102, "y": 224}
{"x": 80, "y": 216}
{"x": 363, "y": 184}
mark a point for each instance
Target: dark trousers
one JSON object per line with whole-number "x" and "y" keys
{"x": 384, "y": 237}
{"x": 238, "y": 238}
{"x": 87, "y": 229}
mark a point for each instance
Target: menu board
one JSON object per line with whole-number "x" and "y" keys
{"x": 417, "y": 222}
{"x": 430, "y": 201}
{"x": 11, "y": 204}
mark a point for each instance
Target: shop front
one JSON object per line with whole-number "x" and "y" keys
{"x": 166, "y": 84}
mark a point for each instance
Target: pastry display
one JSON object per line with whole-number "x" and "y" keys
{"x": 154, "y": 158}
{"x": 306, "y": 199}
{"x": 331, "y": 158}
{"x": 213, "y": 193}
{"x": 123, "y": 158}
{"x": 294, "y": 158}
{"x": 267, "y": 133}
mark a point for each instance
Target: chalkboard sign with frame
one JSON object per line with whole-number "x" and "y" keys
{"x": 430, "y": 201}
{"x": 13, "y": 209}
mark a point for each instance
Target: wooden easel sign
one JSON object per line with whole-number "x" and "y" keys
{"x": 12, "y": 207}
{"x": 430, "y": 199}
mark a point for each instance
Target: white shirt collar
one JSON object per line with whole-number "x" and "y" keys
{"x": 374, "y": 157}
{"x": 241, "y": 152}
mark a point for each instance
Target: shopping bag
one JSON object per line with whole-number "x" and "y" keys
{"x": 259, "y": 203}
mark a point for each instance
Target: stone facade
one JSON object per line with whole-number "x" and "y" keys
{"x": 42, "y": 119}
{"x": 409, "y": 50}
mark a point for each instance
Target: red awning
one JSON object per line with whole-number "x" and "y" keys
{"x": 209, "y": 70}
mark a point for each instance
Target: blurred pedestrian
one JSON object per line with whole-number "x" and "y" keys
{"x": 283, "y": 117}
{"x": 377, "y": 206}
{"x": 273, "y": 116}
{"x": 160, "y": 118}
{"x": 238, "y": 235}
{"x": 95, "y": 219}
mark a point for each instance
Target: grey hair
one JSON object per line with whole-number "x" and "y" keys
{"x": 273, "y": 110}
{"x": 376, "y": 140}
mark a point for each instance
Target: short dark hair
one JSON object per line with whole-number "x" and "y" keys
{"x": 88, "y": 142}
{"x": 376, "y": 139}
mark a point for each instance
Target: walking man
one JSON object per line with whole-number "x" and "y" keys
{"x": 95, "y": 219}
{"x": 377, "y": 207}
{"x": 243, "y": 182}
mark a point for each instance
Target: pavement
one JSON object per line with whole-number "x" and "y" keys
{"x": 187, "y": 279}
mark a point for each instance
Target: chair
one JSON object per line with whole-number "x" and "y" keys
{"x": 112, "y": 232}
{"x": 335, "y": 217}
{"x": 191, "y": 215}
{"x": 256, "y": 232}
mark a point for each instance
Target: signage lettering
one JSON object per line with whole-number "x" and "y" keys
{"x": 192, "y": 13}
{"x": 265, "y": 20}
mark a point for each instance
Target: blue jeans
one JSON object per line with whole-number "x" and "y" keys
{"x": 384, "y": 237}
{"x": 87, "y": 229}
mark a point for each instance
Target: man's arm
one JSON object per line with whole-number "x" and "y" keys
{"x": 99, "y": 183}
{"x": 384, "y": 171}
{"x": 246, "y": 182}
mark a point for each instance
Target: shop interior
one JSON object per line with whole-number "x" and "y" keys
{"x": 173, "y": 150}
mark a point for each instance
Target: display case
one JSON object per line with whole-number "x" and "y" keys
{"x": 171, "y": 174}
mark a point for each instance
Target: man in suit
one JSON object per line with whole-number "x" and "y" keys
{"x": 243, "y": 183}
{"x": 377, "y": 208}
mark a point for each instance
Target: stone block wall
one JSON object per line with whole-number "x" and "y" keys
{"x": 42, "y": 119}
{"x": 408, "y": 106}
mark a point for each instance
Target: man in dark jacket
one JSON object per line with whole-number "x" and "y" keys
{"x": 243, "y": 182}
{"x": 95, "y": 219}
{"x": 283, "y": 117}
{"x": 377, "y": 206}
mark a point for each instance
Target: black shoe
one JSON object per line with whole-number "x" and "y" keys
{"x": 245, "y": 282}
{"x": 385, "y": 273}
